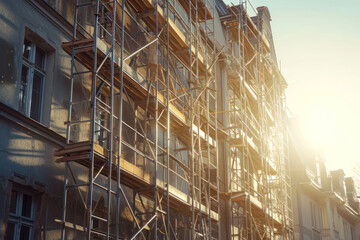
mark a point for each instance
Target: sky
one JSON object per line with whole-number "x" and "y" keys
{"x": 317, "y": 43}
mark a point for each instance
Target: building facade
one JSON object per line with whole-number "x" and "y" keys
{"x": 325, "y": 204}
{"x": 141, "y": 119}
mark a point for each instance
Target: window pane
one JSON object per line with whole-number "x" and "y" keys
{"x": 39, "y": 58}
{"x": 36, "y": 96}
{"x": 14, "y": 197}
{"x": 26, "y": 49}
{"x": 9, "y": 234}
{"x": 37, "y": 82}
{"x": 22, "y": 92}
{"x": 26, "y": 206}
{"x": 24, "y": 233}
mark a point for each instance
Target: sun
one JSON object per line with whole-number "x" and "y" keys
{"x": 320, "y": 127}
{"x": 327, "y": 128}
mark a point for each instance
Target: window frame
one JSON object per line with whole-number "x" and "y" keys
{"x": 17, "y": 218}
{"x": 33, "y": 69}
{"x": 316, "y": 218}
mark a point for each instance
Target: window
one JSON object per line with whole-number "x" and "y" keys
{"x": 315, "y": 215}
{"x": 21, "y": 221}
{"x": 32, "y": 80}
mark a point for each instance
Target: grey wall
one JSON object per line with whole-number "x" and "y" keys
{"x": 15, "y": 17}
{"x": 22, "y": 154}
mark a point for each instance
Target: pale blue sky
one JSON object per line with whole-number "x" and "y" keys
{"x": 318, "y": 44}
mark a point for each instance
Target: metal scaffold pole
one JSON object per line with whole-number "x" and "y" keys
{"x": 192, "y": 79}
{"x": 63, "y": 219}
{"x": 168, "y": 123}
{"x": 120, "y": 117}
{"x": 156, "y": 168}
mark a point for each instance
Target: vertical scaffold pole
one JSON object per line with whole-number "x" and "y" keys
{"x": 93, "y": 115}
{"x": 167, "y": 125}
{"x": 156, "y": 124}
{"x": 118, "y": 186}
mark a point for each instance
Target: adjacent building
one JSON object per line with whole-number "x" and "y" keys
{"x": 325, "y": 204}
{"x": 143, "y": 119}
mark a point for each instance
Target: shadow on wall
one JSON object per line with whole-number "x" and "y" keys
{"x": 8, "y": 39}
{"x": 28, "y": 158}
{"x": 27, "y": 155}
{"x": 22, "y": 150}
{"x": 7, "y": 73}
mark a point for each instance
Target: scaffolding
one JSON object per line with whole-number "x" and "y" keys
{"x": 259, "y": 190}
{"x": 141, "y": 159}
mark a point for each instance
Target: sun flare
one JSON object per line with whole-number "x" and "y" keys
{"x": 320, "y": 127}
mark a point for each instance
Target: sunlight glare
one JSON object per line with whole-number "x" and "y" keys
{"x": 320, "y": 127}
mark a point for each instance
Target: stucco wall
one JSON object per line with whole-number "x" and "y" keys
{"x": 15, "y": 17}
{"x": 21, "y": 154}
